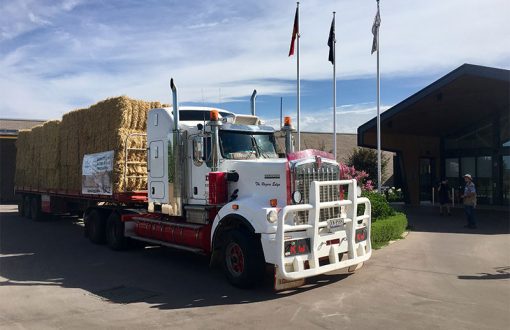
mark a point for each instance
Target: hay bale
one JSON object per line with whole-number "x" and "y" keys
{"x": 22, "y": 158}
{"x": 50, "y": 156}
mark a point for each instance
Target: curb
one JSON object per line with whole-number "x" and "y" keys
{"x": 404, "y": 235}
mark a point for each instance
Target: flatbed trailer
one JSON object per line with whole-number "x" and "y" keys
{"x": 116, "y": 218}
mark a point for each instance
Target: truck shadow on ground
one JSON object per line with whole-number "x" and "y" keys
{"x": 55, "y": 253}
{"x": 428, "y": 219}
{"x": 501, "y": 273}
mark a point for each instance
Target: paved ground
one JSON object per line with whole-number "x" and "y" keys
{"x": 440, "y": 276}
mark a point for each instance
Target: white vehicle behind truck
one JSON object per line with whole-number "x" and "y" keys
{"x": 217, "y": 186}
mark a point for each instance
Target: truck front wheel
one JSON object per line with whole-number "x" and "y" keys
{"x": 243, "y": 260}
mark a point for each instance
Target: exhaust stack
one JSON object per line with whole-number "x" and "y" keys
{"x": 175, "y": 104}
{"x": 252, "y": 100}
{"x": 215, "y": 124}
{"x": 175, "y": 178}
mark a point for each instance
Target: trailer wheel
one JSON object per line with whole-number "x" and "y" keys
{"x": 21, "y": 206}
{"x": 95, "y": 225}
{"x": 243, "y": 261}
{"x": 27, "y": 206}
{"x": 115, "y": 232}
{"x": 35, "y": 209}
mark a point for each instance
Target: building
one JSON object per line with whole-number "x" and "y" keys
{"x": 8, "y": 134}
{"x": 345, "y": 144}
{"x": 456, "y": 125}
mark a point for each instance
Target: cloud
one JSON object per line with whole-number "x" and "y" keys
{"x": 348, "y": 118}
{"x": 58, "y": 55}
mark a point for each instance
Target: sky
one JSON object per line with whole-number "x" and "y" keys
{"x": 59, "y": 55}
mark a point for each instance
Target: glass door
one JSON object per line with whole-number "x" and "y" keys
{"x": 426, "y": 178}
{"x": 484, "y": 183}
{"x": 505, "y": 187}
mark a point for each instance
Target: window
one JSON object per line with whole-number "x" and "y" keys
{"x": 506, "y": 179}
{"x": 247, "y": 145}
{"x": 199, "y": 115}
{"x": 480, "y": 138}
{"x": 452, "y": 167}
{"x": 467, "y": 165}
{"x": 504, "y": 131}
{"x": 452, "y": 172}
{"x": 484, "y": 179}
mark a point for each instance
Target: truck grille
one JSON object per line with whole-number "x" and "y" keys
{"x": 304, "y": 175}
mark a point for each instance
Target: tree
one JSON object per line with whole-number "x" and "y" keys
{"x": 364, "y": 159}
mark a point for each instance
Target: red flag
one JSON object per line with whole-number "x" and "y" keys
{"x": 295, "y": 32}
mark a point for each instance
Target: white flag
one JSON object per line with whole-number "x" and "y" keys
{"x": 375, "y": 30}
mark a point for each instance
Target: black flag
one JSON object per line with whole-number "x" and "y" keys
{"x": 331, "y": 42}
{"x": 375, "y": 30}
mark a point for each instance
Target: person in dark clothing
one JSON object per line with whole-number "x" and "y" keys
{"x": 444, "y": 196}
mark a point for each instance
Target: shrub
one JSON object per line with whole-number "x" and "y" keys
{"x": 387, "y": 229}
{"x": 380, "y": 206}
{"x": 361, "y": 177}
{"x": 394, "y": 195}
{"x": 365, "y": 159}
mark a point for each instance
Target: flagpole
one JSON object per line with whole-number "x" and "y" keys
{"x": 334, "y": 90}
{"x": 379, "y": 174}
{"x": 298, "y": 88}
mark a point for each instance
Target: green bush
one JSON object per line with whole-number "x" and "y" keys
{"x": 365, "y": 159}
{"x": 387, "y": 229}
{"x": 394, "y": 195}
{"x": 380, "y": 206}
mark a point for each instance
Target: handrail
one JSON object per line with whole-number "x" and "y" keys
{"x": 126, "y": 163}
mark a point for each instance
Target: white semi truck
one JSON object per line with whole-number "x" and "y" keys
{"x": 217, "y": 186}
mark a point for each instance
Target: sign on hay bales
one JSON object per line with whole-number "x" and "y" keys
{"x": 50, "y": 156}
{"x": 97, "y": 173}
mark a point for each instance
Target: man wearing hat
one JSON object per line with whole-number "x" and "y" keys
{"x": 469, "y": 198}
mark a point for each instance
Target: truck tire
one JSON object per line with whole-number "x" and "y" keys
{"x": 243, "y": 260}
{"x": 95, "y": 225}
{"x": 21, "y": 206}
{"x": 27, "y": 206}
{"x": 35, "y": 209}
{"x": 115, "y": 232}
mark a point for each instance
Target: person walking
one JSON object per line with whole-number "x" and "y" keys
{"x": 444, "y": 197}
{"x": 469, "y": 198}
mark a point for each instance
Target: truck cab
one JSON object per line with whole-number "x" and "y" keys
{"x": 222, "y": 171}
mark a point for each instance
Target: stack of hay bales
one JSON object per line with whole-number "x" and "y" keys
{"x": 102, "y": 127}
{"x": 49, "y": 155}
{"x": 23, "y": 159}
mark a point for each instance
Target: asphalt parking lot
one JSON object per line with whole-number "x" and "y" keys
{"x": 440, "y": 276}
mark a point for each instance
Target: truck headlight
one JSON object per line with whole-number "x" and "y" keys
{"x": 272, "y": 216}
{"x": 296, "y": 197}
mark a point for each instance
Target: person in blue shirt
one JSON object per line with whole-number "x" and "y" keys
{"x": 469, "y": 198}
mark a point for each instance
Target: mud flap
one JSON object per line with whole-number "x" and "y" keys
{"x": 283, "y": 284}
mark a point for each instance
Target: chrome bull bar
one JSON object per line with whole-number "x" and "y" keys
{"x": 330, "y": 250}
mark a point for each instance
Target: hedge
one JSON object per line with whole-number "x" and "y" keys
{"x": 386, "y": 229}
{"x": 380, "y": 207}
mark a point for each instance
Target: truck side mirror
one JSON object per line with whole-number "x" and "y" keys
{"x": 198, "y": 150}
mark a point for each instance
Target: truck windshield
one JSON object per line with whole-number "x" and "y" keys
{"x": 247, "y": 145}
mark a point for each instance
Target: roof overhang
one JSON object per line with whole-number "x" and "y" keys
{"x": 464, "y": 97}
